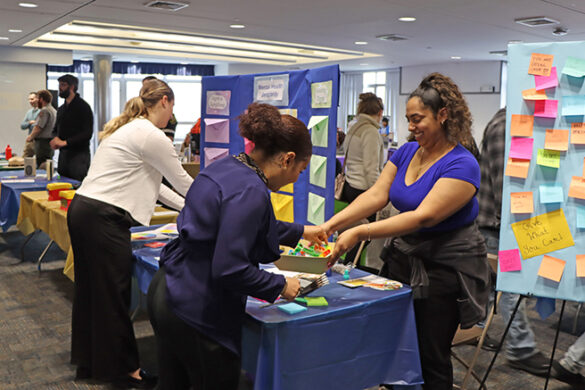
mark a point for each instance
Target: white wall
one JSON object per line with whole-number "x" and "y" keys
{"x": 22, "y": 70}
{"x": 471, "y": 77}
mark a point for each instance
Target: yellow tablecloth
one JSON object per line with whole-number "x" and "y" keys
{"x": 37, "y": 212}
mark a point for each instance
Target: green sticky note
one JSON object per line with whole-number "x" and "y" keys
{"x": 321, "y": 94}
{"x": 318, "y": 170}
{"x": 548, "y": 158}
{"x": 319, "y": 125}
{"x": 301, "y": 300}
{"x": 316, "y": 301}
{"x": 574, "y": 67}
{"x": 316, "y": 209}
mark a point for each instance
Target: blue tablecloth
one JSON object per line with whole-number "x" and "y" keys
{"x": 363, "y": 338}
{"x": 10, "y": 194}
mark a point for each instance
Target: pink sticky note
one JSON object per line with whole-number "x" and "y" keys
{"x": 509, "y": 260}
{"x": 521, "y": 147}
{"x": 544, "y": 82}
{"x": 546, "y": 108}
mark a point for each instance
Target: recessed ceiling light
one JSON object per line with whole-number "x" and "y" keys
{"x": 134, "y": 61}
{"x": 27, "y": 5}
{"x": 360, "y": 42}
{"x": 364, "y": 64}
{"x": 14, "y": 30}
{"x": 407, "y": 19}
{"x": 455, "y": 57}
{"x": 4, "y": 38}
{"x": 235, "y": 25}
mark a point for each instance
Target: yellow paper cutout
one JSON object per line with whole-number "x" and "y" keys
{"x": 577, "y": 187}
{"x": 578, "y": 133}
{"x": 533, "y": 94}
{"x": 580, "y": 266}
{"x": 288, "y": 188}
{"x": 548, "y": 158}
{"x": 288, "y": 111}
{"x": 543, "y": 234}
{"x": 283, "y": 206}
{"x": 521, "y": 125}
{"x": 517, "y": 168}
{"x": 521, "y": 202}
{"x": 540, "y": 64}
{"x": 556, "y": 139}
{"x": 551, "y": 268}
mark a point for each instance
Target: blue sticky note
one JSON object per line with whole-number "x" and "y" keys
{"x": 551, "y": 194}
{"x": 573, "y": 105}
{"x": 291, "y": 308}
{"x": 580, "y": 217}
{"x": 545, "y": 307}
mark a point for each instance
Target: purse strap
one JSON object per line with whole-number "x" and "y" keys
{"x": 348, "y": 142}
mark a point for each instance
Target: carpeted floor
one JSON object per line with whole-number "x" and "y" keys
{"x": 35, "y": 315}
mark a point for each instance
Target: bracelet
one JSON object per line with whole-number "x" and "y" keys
{"x": 369, "y": 231}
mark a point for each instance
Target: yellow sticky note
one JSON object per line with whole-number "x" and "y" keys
{"x": 551, "y": 268}
{"x": 581, "y": 266}
{"x": 521, "y": 202}
{"x": 288, "y": 188}
{"x": 521, "y": 125}
{"x": 288, "y": 111}
{"x": 577, "y": 188}
{"x": 533, "y": 94}
{"x": 548, "y": 158}
{"x": 517, "y": 168}
{"x": 540, "y": 64}
{"x": 543, "y": 234}
{"x": 556, "y": 139}
{"x": 283, "y": 206}
{"x": 578, "y": 133}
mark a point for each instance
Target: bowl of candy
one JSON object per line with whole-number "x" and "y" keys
{"x": 305, "y": 257}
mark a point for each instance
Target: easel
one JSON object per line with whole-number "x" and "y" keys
{"x": 552, "y": 355}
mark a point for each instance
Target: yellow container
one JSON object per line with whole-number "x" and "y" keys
{"x": 66, "y": 197}
{"x": 55, "y": 188}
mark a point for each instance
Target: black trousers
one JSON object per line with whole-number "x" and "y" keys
{"x": 349, "y": 195}
{"x": 73, "y": 164}
{"x": 43, "y": 150}
{"x": 102, "y": 336}
{"x": 187, "y": 359}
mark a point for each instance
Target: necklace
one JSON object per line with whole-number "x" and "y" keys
{"x": 423, "y": 166}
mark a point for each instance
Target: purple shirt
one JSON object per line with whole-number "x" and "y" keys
{"x": 226, "y": 229}
{"x": 459, "y": 163}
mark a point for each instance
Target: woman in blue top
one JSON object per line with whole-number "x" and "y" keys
{"x": 436, "y": 247}
{"x": 197, "y": 299}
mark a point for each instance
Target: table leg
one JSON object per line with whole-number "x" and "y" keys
{"x": 28, "y": 238}
{"x": 40, "y": 260}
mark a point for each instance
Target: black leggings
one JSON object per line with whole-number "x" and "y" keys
{"x": 186, "y": 358}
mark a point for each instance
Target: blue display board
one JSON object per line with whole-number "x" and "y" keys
{"x": 541, "y": 243}
{"x": 312, "y": 96}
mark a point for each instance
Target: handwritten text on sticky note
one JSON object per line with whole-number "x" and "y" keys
{"x": 509, "y": 260}
{"x": 521, "y": 202}
{"x": 543, "y": 234}
{"x": 540, "y": 64}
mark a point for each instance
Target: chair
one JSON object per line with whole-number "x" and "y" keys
{"x": 464, "y": 336}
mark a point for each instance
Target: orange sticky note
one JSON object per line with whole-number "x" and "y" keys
{"x": 522, "y": 125}
{"x": 540, "y": 64}
{"x": 521, "y": 203}
{"x": 551, "y": 268}
{"x": 578, "y": 133}
{"x": 583, "y": 168}
{"x": 580, "y": 266}
{"x": 517, "y": 168}
{"x": 533, "y": 94}
{"x": 556, "y": 139}
{"x": 577, "y": 187}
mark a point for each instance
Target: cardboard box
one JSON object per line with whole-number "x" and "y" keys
{"x": 308, "y": 264}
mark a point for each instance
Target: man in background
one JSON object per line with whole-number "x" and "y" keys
{"x": 385, "y": 132}
{"x": 521, "y": 350}
{"x": 43, "y": 129}
{"x": 73, "y": 130}
{"x": 28, "y": 123}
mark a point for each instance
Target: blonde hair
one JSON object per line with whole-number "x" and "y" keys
{"x": 151, "y": 93}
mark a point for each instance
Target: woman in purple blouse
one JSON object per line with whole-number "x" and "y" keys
{"x": 435, "y": 247}
{"x": 197, "y": 299}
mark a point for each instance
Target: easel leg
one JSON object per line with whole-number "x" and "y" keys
{"x": 481, "y": 385}
{"x": 552, "y": 355}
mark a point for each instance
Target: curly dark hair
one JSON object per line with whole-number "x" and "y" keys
{"x": 370, "y": 104}
{"x": 273, "y": 133}
{"x": 437, "y": 91}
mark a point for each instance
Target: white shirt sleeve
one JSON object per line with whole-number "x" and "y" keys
{"x": 171, "y": 198}
{"x": 159, "y": 152}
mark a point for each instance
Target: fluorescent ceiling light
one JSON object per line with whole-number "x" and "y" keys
{"x": 100, "y": 37}
{"x": 360, "y": 42}
{"x": 27, "y": 5}
{"x": 14, "y": 30}
{"x": 4, "y": 38}
{"x": 407, "y": 19}
{"x": 237, "y": 26}
{"x": 455, "y": 57}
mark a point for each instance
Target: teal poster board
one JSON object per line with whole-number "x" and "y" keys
{"x": 542, "y": 236}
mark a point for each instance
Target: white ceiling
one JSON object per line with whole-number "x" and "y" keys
{"x": 469, "y": 29}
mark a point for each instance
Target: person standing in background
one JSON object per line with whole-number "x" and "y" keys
{"x": 385, "y": 131}
{"x": 43, "y": 128}
{"x": 28, "y": 123}
{"x": 73, "y": 130}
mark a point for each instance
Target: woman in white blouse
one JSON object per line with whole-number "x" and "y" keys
{"x": 120, "y": 190}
